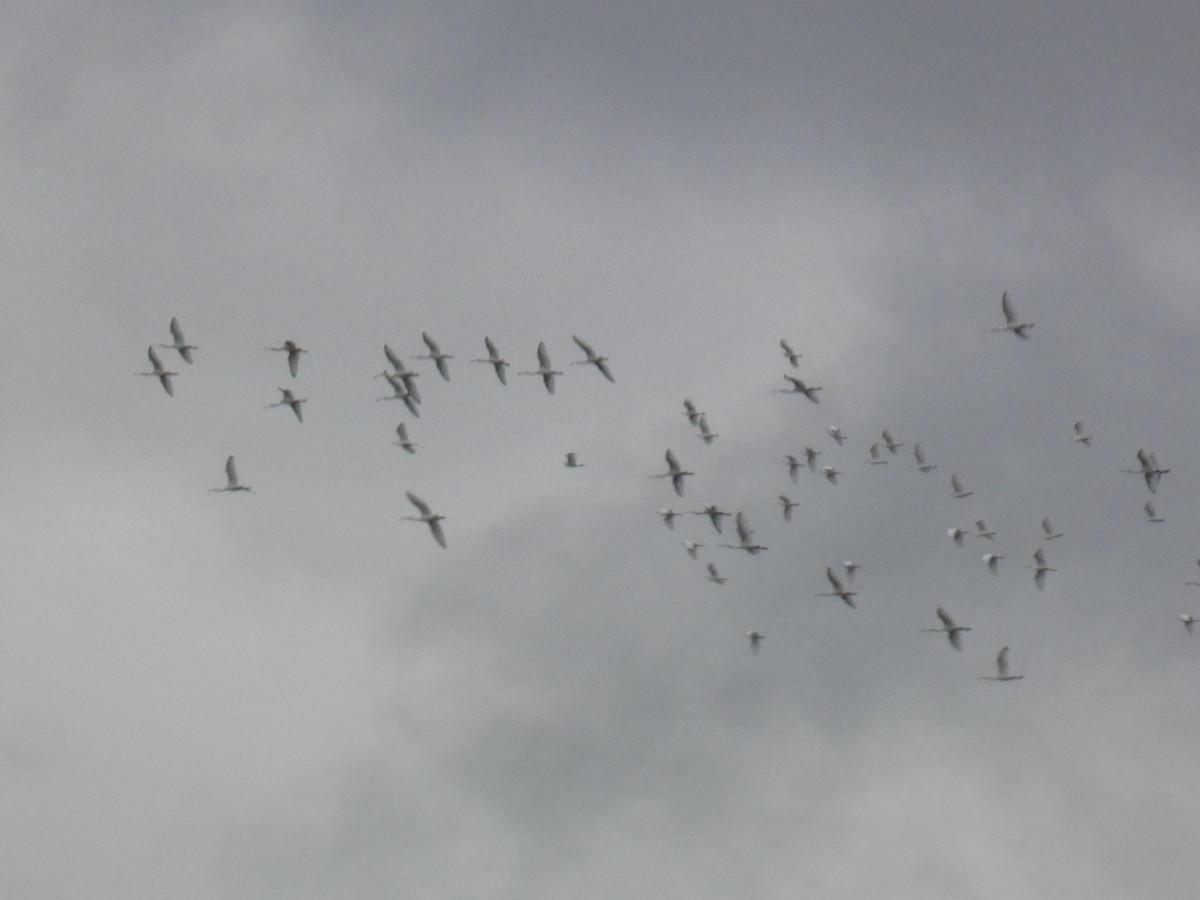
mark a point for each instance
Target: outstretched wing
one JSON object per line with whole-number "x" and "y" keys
{"x": 1009, "y": 316}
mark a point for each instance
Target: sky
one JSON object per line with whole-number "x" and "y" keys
{"x": 291, "y": 693}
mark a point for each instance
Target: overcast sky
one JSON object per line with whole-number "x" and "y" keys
{"x": 289, "y": 693}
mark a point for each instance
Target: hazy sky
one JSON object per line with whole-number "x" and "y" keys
{"x": 291, "y": 694}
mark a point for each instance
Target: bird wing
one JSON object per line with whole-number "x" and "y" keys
{"x": 293, "y": 360}
{"x": 919, "y": 454}
{"x": 1009, "y": 317}
{"x": 177, "y": 332}
{"x": 402, "y": 433}
{"x": 673, "y": 463}
{"x": 603, "y": 367}
{"x": 543, "y": 356}
{"x": 834, "y": 580}
{"x": 155, "y": 362}
{"x": 585, "y": 347}
{"x": 397, "y": 362}
{"x": 945, "y": 617}
{"x": 712, "y": 570}
{"x": 1002, "y": 662}
{"x": 956, "y": 484}
{"x": 430, "y": 343}
{"x": 436, "y": 527}
{"x": 1149, "y": 507}
{"x": 231, "y": 472}
{"x": 1039, "y": 556}
{"x": 491, "y": 348}
{"x": 416, "y": 501}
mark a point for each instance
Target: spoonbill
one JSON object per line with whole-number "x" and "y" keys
{"x": 993, "y": 561}
{"x": 1151, "y": 515}
{"x": 755, "y": 637}
{"x": 185, "y": 349}
{"x": 956, "y": 535}
{"x": 1188, "y": 621}
{"x": 435, "y": 353}
{"x": 293, "y": 351}
{"x": 494, "y": 359}
{"x": 745, "y": 537}
{"x": 714, "y": 514}
{"x": 675, "y": 472}
{"x": 957, "y": 489}
{"x": 952, "y": 631}
{"x": 668, "y": 516}
{"x": 793, "y": 466}
{"x": 544, "y": 368}
{"x": 1020, "y": 329}
{"x": 1001, "y": 669}
{"x": 401, "y": 371}
{"x": 789, "y": 354}
{"x": 889, "y": 442}
{"x": 850, "y": 567}
{"x": 788, "y": 505}
{"x": 810, "y": 457}
{"x": 231, "y": 479}
{"x": 692, "y": 548}
{"x": 689, "y": 410}
{"x": 706, "y": 434}
{"x": 715, "y": 576}
{"x": 402, "y": 440}
{"x": 289, "y": 399}
{"x": 981, "y": 530}
{"x": 839, "y": 590}
{"x": 836, "y": 434}
{"x": 572, "y": 461}
{"x": 427, "y": 515}
{"x": 874, "y": 458}
{"x": 163, "y": 376}
{"x": 400, "y": 391}
{"x": 1048, "y": 532}
{"x": 799, "y": 387}
{"x": 1149, "y": 469}
{"x": 921, "y": 466}
{"x": 1081, "y": 436}
{"x": 1040, "y": 568}
{"x": 600, "y": 362}
{"x": 831, "y": 473}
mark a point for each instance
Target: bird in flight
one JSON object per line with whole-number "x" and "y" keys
{"x": 675, "y": 472}
{"x": 789, "y": 354}
{"x": 1081, "y": 436}
{"x": 1040, "y": 568}
{"x": 799, "y": 387}
{"x": 745, "y": 536}
{"x": 231, "y": 479}
{"x": 401, "y": 371}
{"x": 706, "y": 434}
{"x": 713, "y": 512}
{"x": 1020, "y": 329}
{"x": 402, "y": 440}
{"x": 1188, "y": 621}
{"x": 890, "y": 442}
{"x": 289, "y": 399}
{"x": 1151, "y": 515}
{"x": 715, "y": 576}
{"x": 981, "y": 530}
{"x": 428, "y": 516}
{"x": 831, "y": 473}
{"x": 836, "y": 434}
{"x": 788, "y": 505}
{"x": 952, "y": 631}
{"x": 839, "y": 590}
{"x": 163, "y": 376}
{"x": 668, "y": 516}
{"x": 435, "y": 353}
{"x": 401, "y": 391}
{"x": 293, "y": 351}
{"x": 993, "y": 561}
{"x": 755, "y": 637}
{"x": 689, "y": 410}
{"x": 572, "y": 461}
{"x": 1048, "y": 532}
{"x": 544, "y": 368}
{"x": 1001, "y": 669}
{"x": 494, "y": 359}
{"x": 850, "y": 567}
{"x": 921, "y": 466}
{"x": 692, "y": 548}
{"x": 600, "y": 362}
{"x": 185, "y": 349}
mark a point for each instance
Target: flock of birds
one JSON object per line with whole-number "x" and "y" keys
{"x": 403, "y": 382}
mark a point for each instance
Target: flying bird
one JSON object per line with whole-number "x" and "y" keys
{"x": 1048, "y": 532}
{"x": 668, "y": 516}
{"x": 850, "y": 567}
{"x": 952, "y": 631}
{"x": 957, "y": 489}
{"x": 185, "y": 349}
{"x": 981, "y": 530}
{"x": 1001, "y": 669}
{"x": 400, "y": 391}
{"x": 810, "y": 457}
{"x": 1149, "y": 469}
{"x": 839, "y": 590}
{"x": 799, "y": 387}
{"x": 1040, "y": 568}
{"x": 1188, "y": 621}
{"x": 789, "y": 354}
{"x": 874, "y": 458}
{"x": 788, "y": 505}
{"x": 435, "y": 353}
{"x": 572, "y": 461}
{"x": 956, "y": 535}
{"x": 402, "y": 440}
{"x": 401, "y": 371}
{"x": 831, "y": 473}
{"x": 1081, "y": 436}
{"x": 692, "y": 548}
{"x": 675, "y": 472}
{"x": 793, "y": 466}
{"x": 714, "y": 514}
{"x": 889, "y": 442}
{"x": 706, "y": 434}
{"x": 755, "y": 637}
{"x": 689, "y": 410}
{"x": 163, "y": 376}
{"x": 745, "y": 537}
{"x": 715, "y": 576}
{"x": 921, "y": 466}
{"x": 1151, "y": 515}
{"x": 836, "y": 434}
{"x": 293, "y": 351}
{"x": 1020, "y": 329}
{"x": 428, "y": 516}
{"x": 993, "y": 561}
{"x": 494, "y": 359}
{"x": 231, "y": 479}
{"x": 289, "y": 399}
{"x": 600, "y": 362}
{"x": 544, "y": 368}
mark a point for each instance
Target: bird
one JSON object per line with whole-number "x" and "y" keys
{"x": 185, "y": 349}
{"x": 715, "y": 576}
{"x": 668, "y": 516}
{"x": 921, "y": 466}
{"x": 600, "y": 362}
{"x": 745, "y": 536}
{"x": 957, "y": 489}
{"x": 689, "y": 410}
{"x": 1081, "y": 436}
{"x": 850, "y": 567}
{"x": 1151, "y": 515}
{"x": 494, "y": 359}
{"x": 293, "y": 351}
{"x": 836, "y": 434}
{"x": 839, "y": 590}
{"x": 831, "y": 473}
{"x": 1020, "y": 329}
{"x": 400, "y": 391}
{"x": 993, "y": 561}
{"x": 705, "y": 435}
{"x": 755, "y": 637}
{"x": 714, "y": 514}
{"x": 675, "y": 472}
{"x": 692, "y": 548}
{"x": 289, "y": 399}
{"x": 428, "y": 516}
{"x": 889, "y": 442}
{"x": 435, "y": 353}
{"x": 1001, "y": 669}
{"x": 981, "y": 530}
{"x": 810, "y": 457}
{"x": 1048, "y": 532}
{"x": 163, "y": 376}
{"x": 875, "y": 458}
{"x": 572, "y": 461}
{"x": 956, "y": 535}
{"x": 1040, "y": 568}
{"x": 952, "y": 631}
{"x": 788, "y": 505}
{"x": 1188, "y": 621}
{"x": 401, "y": 371}
{"x": 231, "y": 479}
{"x": 1149, "y": 469}
{"x": 789, "y": 354}
{"x": 544, "y": 368}
{"x": 793, "y": 466}
{"x": 799, "y": 387}
{"x": 402, "y": 440}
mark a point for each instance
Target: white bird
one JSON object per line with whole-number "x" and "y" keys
{"x": 889, "y": 442}
{"x": 1150, "y": 470}
{"x": 755, "y": 637}
{"x": 1188, "y": 621}
{"x": 957, "y": 489}
{"x": 293, "y": 351}
{"x": 715, "y": 576}
{"x": 839, "y": 590}
{"x": 788, "y": 505}
{"x": 163, "y": 376}
{"x": 675, "y": 472}
{"x": 400, "y": 391}
{"x": 1020, "y": 329}
{"x": 705, "y": 435}
{"x": 789, "y": 354}
{"x": 714, "y": 514}
{"x": 544, "y": 368}
{"x": 1001, "y": 669}
{"x": 600, "y": 362}
{"x": 231, "y": 479}
{"x": 692, "y": 548}
{"x": 289, "y": 399}
{"x": 956, "y": 535}
{"x": 1040, "y": 568}
{"x": 810, "y": 457}
{"x": 668, "y": 516}
{"x": 402, "y": 439}
{"x": 435, "y": 353}
{"x": 793, "y": 466}
{"x": 689, "y": 410}
{"x": 403, "y": 372}
{"x": 572, "y": 461}
{"x": 1048, "y": 532}
{"x": 875, "y": 458}
{"x": 831, "y": 473}
{"x": 494, "y": 359}
{"x": 1151, "y": 515}
{"x": 993, "y": 561}
{"x": 799, "y": 387}
{"x": 745, "y": 537}
{"x": 185, "y": 349}
{"x": 428, "y": 516}
{"x": 1081, "y": 436}
{"x": 952, "y": 631}
{"x": 921, "y": 466}
{"x": 850, "y": 567}
{"x": 981, "y": 530}
{"x": 836, "y": 434}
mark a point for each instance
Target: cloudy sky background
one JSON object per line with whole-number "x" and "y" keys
{"x": 292, "y": 694}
